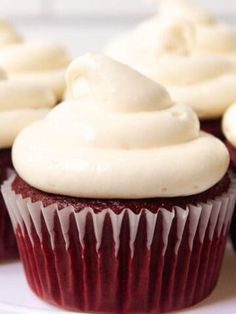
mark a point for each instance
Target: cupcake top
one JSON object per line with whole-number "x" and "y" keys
{"x": 21, "y": 103}
{"x": 164, "y": 50}
{"x": 7, "y": 34}
{"x": 40, "y": 61}
{"x": 119, "y": 136}
{"x": 211, "y": 36}
{"x": 229, "y": 124}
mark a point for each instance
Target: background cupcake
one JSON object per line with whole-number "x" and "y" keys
{"x": 211, "y": 36}
{"x": 38, "y": 61}
{"x": 20, "y": 104}
{"x": 110, "y": 204}
{"x": 174, "y": 49}
{"x": 229, "y": 129}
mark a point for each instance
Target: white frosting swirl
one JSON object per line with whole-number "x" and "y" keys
{"x": 211, "y": 36}
{"x": 207, "y": 84}
{"x": 176, "y": 50}
{"x": 120, "y": 136}
{"x": 36, "y": 61}
{"x": 7, "y": 34}
{"x": 229, "y": 124}
{"x": 21, "y": 104}
{"x": 185, "y": 9}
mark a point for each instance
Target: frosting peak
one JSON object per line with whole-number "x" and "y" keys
{"x": 174, "y": 37}
{"x": 7, "y": 34}
{"x": 185, "y": 9}
{"x": 103, "y": 80}
{"x": 109, "y": 142}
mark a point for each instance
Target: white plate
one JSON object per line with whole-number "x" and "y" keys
{"x": 17, "y": 298}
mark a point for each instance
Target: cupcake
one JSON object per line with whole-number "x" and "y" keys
{"x": 119, "y": 205}
{"x": 174, "y": 50}
{"x": 229, "y": 129}
{"x": 20, "y": 105}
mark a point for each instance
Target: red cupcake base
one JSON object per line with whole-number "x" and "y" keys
{"x": 233, "y": 230}
{"x": 8, "y": 246}
{"x": 112, "y": 261}
{"x": 232, "y": 152}
{"x": 213, "y": 127}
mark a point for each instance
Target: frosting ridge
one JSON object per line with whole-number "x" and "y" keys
{"x": 43, "y": 62}
{"x": 21, "y": 104}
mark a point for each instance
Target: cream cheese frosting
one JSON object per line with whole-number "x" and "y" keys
{"x": 185, "y": 8}
{"x": 21, "y": 104}
{"x": 229, "y": 124}
{"x": 165, "y": 50}
{"x": 212, "y": 36}
{"x": 8, "y": 35}
{"x": 118, "y": 136}
{"x": 206, "y": 83}
{"x": 38, "y": 61}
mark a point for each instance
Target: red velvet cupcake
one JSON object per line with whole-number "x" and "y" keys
{"x": 192, "y": 60}
{"x": 114, "y": 211}
{"x": 18, "y": 108}
{"x": 229, "y": 128}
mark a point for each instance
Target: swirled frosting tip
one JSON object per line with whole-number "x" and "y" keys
{"x": 189, "y": 52}
{"x": 100, "y": 78}
{"x": 8, "y": 35}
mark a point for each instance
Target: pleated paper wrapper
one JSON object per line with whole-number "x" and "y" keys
{"x": 120, "y": 263}
{"x": 8, "y": 246}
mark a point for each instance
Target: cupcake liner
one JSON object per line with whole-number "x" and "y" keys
{"x": 107, "y": 262}
{"x": 8, "y": 246}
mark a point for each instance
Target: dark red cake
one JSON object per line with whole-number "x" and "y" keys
{"x": 233, "y": 230}
{"x": 213, "y": 127}
{"x": 153, "y": 204}
{"x": 71, "y": 268}
{"x": 232, "y": 152}
{"x": 8, "y": 246}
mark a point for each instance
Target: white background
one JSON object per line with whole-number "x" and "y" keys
{"x": 87, "y": 7}
{"x": 86, "y": 25}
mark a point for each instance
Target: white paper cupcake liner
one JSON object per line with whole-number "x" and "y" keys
{"x": 216, "y": 213}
